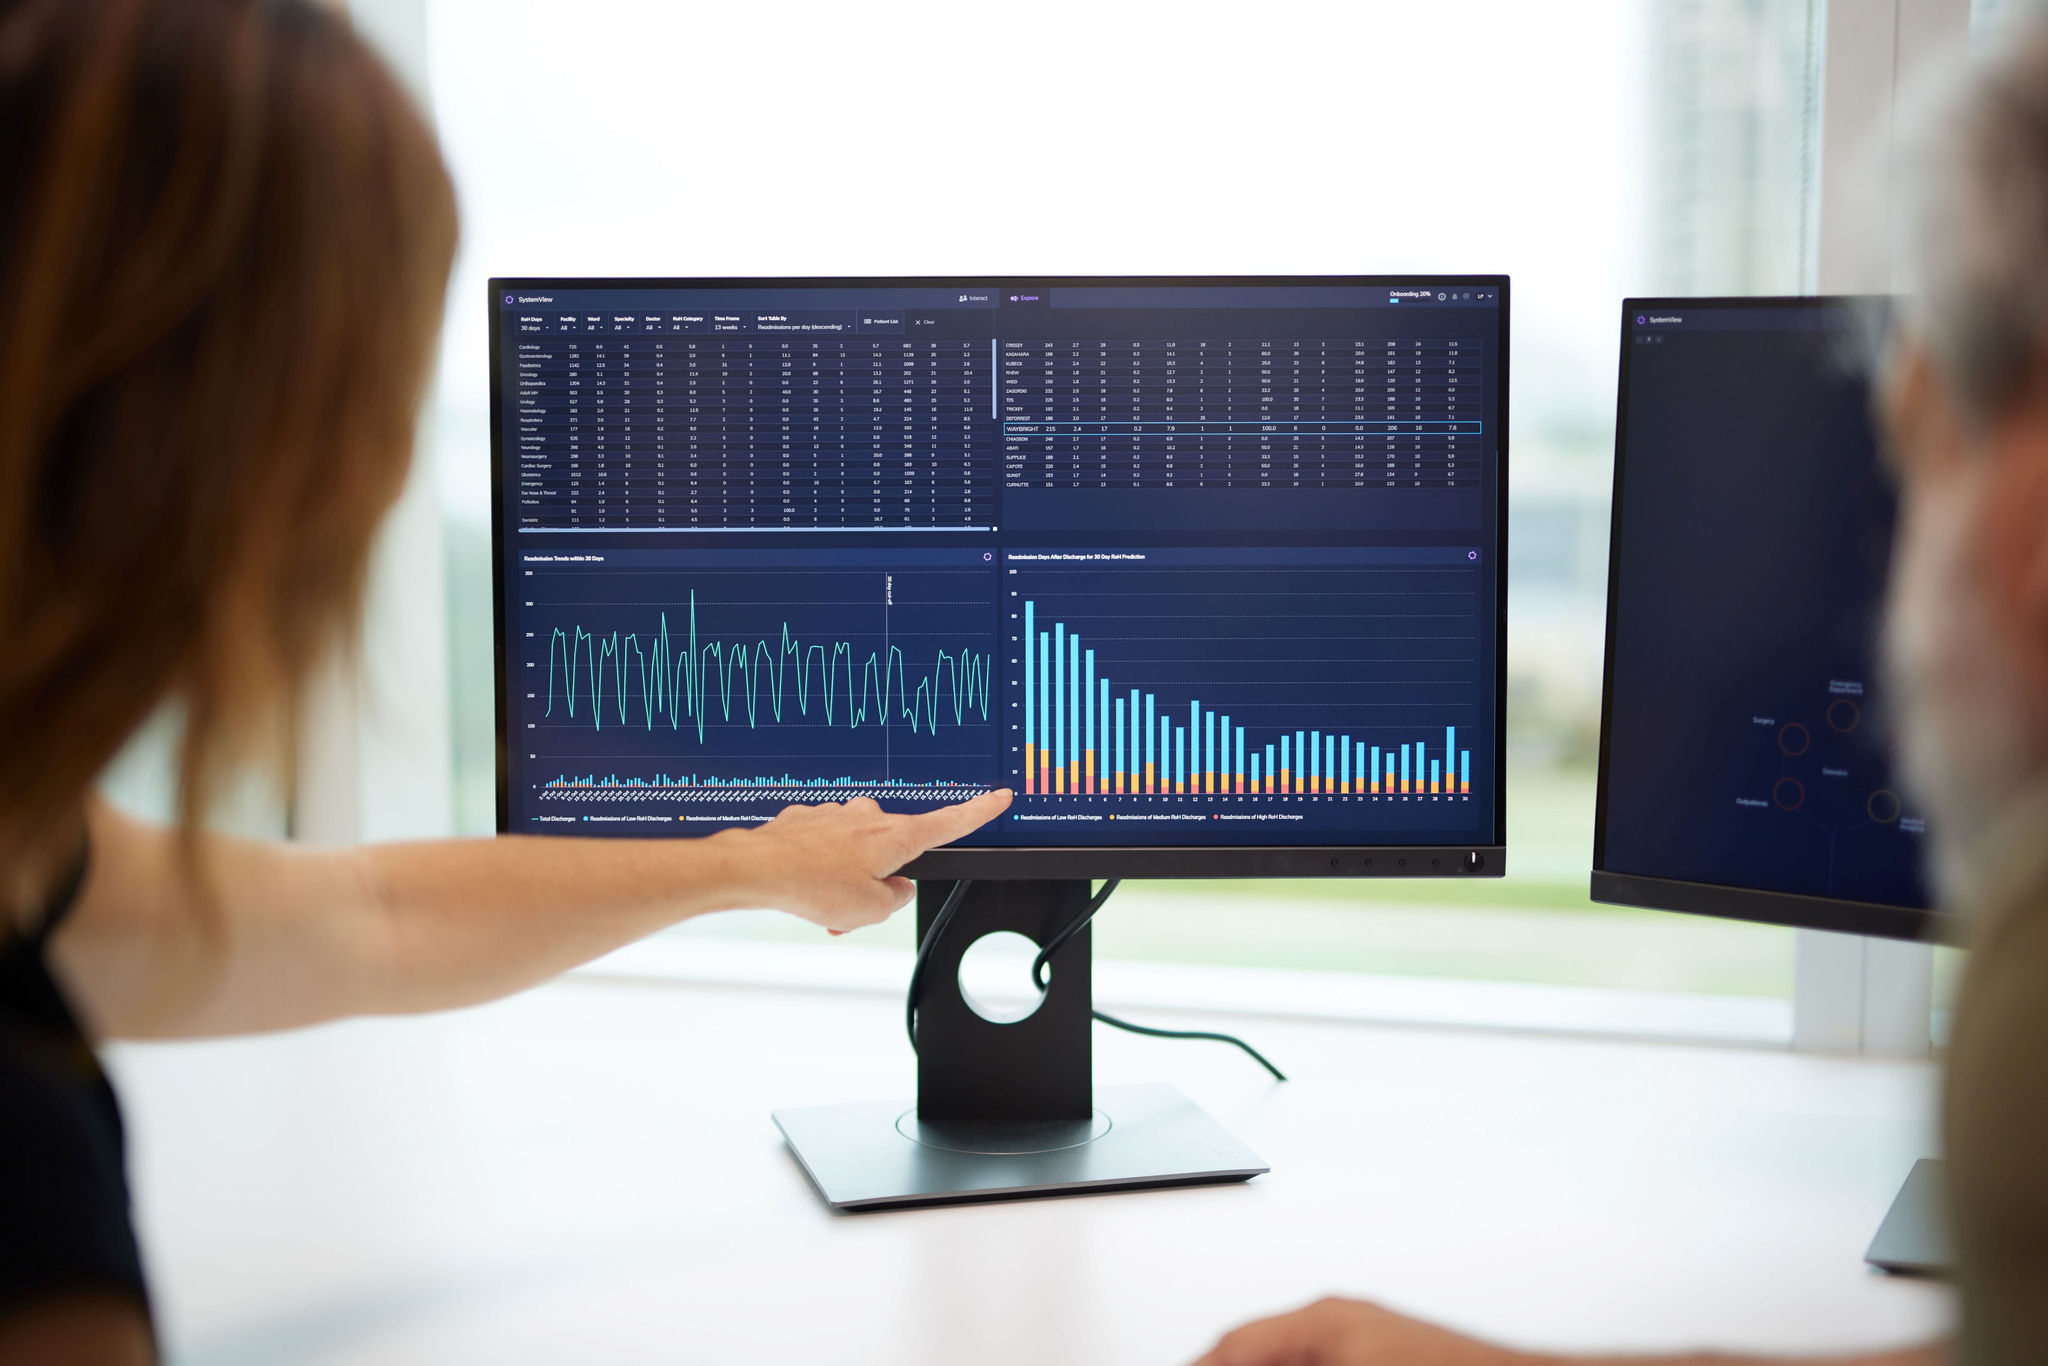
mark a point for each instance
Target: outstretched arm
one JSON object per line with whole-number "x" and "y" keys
{"x": 283, "y": 935}
{"x": 1338, "y": 1332}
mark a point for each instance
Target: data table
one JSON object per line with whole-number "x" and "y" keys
{"x": 1242, "y": 414}
{"x": 655, "y": 431}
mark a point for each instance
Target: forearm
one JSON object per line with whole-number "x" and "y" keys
{"x": 268, "y": 936}
{"x": 274, "y": 936}
{"x": 472, "y": 920}
{"x": 1933, "y": 1354}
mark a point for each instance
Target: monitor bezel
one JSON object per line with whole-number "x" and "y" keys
{"x": 1726, "y": 901}
{"x": 1055, "y": 861}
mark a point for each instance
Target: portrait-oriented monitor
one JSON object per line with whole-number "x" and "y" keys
{"x": 1745, "y": 755}
{"x": 1210, "y": 572}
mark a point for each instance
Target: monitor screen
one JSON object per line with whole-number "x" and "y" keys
{"x": 1744, "y": 744}
{"x": 1187, "y": 564}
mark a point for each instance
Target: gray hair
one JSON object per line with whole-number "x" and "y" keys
{"x": 1974, "y": 248}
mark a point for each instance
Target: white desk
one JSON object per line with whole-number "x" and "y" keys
{"x": 588, "y": 1174}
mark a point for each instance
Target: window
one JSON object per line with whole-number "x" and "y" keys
{"x": 1646, "y": 146}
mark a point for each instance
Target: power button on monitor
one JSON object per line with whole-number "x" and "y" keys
{"x": 1475, "y": 861}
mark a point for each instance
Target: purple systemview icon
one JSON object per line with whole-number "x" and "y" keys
{"x": 508, "y": 298}
{"x": 1471, "y": 554}
{"x": 1640, "y": 320}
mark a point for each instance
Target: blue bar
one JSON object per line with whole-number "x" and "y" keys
{"x": 1088, "y": 745}
{"x": 1074, "y": 721}
{"x": 1286, "y": 768}
{"x": 1059, "y": 701}
{"x": 1134, "y": 782}
{"x": 1315, "y": 761}
{"x": 1240, "y": 753}
{"x": 1208, "y": 749}
{"x": 1180, "y": 758}
{"x": 1465, "y": 768}
{"x": 1195, "y": 742}
{"x": 1255, "y": 772}
{"x": 1450, "y": 750}
{"x": 1121, "y": 768}
{"x": 1044, "y": 713}
{"x": 1435, "y": 777}
{"x": 1030, "y": 721}
{"x": 1300, "y": 760}
{"x": 1223, "y": 754}
{"x": 1270, "y": 770}
{"x": 1390, "y": 769}
{"x": 1330, "y": 760}
{"x": 1404, "y": 767}
{"x": 1102, "y": 783}
{"x": 1149, "y": 760}
{"x": 1344, "y": 780}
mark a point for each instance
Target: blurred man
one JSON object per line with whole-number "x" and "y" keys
{"x": 1965, "y": 404}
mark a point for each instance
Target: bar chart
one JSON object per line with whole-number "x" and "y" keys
{"x": 1356, "y": 682}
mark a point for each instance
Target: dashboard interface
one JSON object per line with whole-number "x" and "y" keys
{"x": 1747, "y": 740}
{"x": 1181, "y": 562}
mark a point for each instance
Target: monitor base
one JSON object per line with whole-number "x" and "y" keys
{"x": 878, "y": 1155}
{"x": 1913, "y": 1240}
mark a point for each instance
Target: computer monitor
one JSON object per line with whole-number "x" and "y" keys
{"x": 1209, "y": 572}
{"x": 1745, "y": 739}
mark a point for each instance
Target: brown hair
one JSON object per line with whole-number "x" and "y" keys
{"x": 225, "y": 235}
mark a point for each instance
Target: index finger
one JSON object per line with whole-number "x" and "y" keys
{"x": 930, "y": 829}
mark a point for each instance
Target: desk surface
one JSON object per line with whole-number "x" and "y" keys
{"x": 588, "y": 1173}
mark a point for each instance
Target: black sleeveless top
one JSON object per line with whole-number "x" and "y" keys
{"x": 64, "y": 1222}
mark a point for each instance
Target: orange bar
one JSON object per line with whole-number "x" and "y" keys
{"x": 1240, "y": 783}
{"x": 1119, "y": 781}
{"x": 1030, "y": 757}
{"x": 1464, "y": 787}
{"x": 1073, "y": 775}
{"x": 1375, "y": 784}
{"x": 1089, "y": 763}
{"x": 1286, "y": 782}
{"x": 1148, "y": 776}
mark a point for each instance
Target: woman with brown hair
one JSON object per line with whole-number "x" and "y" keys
{"x": 225, "y": 236}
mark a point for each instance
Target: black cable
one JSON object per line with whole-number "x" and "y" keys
{"x": 1058, "y": 941}
{"x": 947, "y": 909}
{"x": 1256, "y": 1055}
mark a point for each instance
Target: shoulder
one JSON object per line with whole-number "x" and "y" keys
{"x": 92, "y": 1328}
{"x": 63, "y": 1191}
{"x": 1996, "y": 1127}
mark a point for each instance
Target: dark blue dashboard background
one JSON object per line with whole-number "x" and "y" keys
{"x": 1279, "y": 521}
{"x": 1748, "y": 738}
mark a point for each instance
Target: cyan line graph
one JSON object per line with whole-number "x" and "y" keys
{"x": 682, "y": 681}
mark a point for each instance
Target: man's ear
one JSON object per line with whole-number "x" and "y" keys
{"x": 1922, "y": 435}
{"x": 2013, "y": 540}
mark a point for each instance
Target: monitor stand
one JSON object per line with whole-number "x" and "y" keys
{"x": 1008, "y": 1110}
